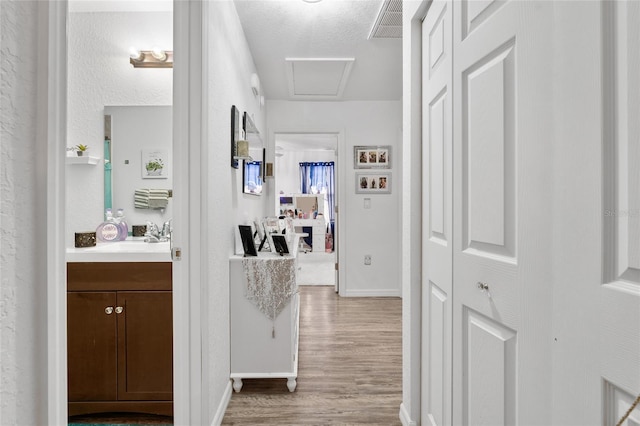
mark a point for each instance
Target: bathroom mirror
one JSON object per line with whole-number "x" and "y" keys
{"x": 139, "y": 144}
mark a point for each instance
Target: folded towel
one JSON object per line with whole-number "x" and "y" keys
{"x": 158, "y": 203}
{"x": 151, "y": 198}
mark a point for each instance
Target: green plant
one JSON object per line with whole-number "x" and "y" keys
{"x": 81, "y": 147}
{"x": 154, "y": 165}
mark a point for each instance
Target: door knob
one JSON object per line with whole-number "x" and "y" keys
{"x": 119, "y": 309}
{"x": 108, "y": 310}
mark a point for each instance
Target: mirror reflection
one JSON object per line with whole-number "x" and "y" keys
{"x": 253, "y": 171}
{"x": 138, "y": 177}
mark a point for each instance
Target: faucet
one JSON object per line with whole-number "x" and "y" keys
{"x": 166, "y": 230}
{"x": 155, "y": 235}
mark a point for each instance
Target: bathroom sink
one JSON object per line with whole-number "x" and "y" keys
{"x": 122, "y": 251}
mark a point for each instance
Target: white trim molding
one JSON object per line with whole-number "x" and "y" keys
{"x": 224, "y": 403}
{"x": 52, "y": 129}
{"x": 405, "y": 417}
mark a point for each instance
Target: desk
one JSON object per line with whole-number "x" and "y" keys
{"x": 318, "y": 232}
{"x": 264, "y": 317}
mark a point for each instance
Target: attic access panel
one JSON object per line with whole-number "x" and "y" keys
{"x": 318, "y": 78}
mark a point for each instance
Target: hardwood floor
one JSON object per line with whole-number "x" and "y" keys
{"x": 349, "y": 371}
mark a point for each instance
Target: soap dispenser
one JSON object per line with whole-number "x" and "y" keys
{"x": 124, "y": 228}
{"x": 109, "y": 230}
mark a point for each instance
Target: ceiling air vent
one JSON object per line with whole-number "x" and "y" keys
{"x": 389, "y": 21}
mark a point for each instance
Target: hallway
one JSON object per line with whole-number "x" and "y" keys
{"x": 350, "y": 367}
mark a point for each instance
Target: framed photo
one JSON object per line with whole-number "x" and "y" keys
{"x": 235, "y": 135}
{"x": 373, "y": 183}
{"x": 372, "y": 157}
{"x": 155, "y": 163}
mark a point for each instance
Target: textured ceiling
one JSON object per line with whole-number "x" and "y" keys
{"x": 280, "y": 29}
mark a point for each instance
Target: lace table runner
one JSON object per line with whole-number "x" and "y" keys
{"x": 271, "y": 282}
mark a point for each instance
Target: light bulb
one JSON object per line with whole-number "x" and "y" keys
{"x": 135, "y": 54}
{"x": 159, "y": 54}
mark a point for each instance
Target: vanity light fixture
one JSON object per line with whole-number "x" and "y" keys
{"x": 156, "y": 58}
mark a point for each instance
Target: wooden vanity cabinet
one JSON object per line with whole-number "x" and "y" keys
{"x": 120, "y": 337}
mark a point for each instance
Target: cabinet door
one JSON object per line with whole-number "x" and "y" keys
{"x": 145, "y": 346}
{"x": 91, "y": 346}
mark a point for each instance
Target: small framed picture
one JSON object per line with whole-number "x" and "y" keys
{"x": 373, "y": 183}
{"x": 155, "y": 163}
{"x": 372, "y": 157}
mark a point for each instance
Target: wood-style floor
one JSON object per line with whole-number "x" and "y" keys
{"x": 349, "y": 371}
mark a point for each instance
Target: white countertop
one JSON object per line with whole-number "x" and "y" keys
{"x": 122, "y": 251}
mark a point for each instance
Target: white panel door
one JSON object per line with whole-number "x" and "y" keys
{"x": 437, "y": 223}
{"x": 502, "y": 139}
{"x": 619, "y": 295}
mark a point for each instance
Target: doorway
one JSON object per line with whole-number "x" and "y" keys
{"x": 108, "y": 32}
{"x": 317, "y": 152}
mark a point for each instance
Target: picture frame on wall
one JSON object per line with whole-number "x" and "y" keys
{"x": 235, "y": 135}
{"x": 373, "y": 183}
{"x": 155, "y": 163}
{"x": 372, "y": 157}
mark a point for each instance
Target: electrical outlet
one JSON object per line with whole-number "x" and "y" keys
{"x": 367, "y": 259}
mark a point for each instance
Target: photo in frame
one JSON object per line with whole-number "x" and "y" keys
{"x": 372, "y": 157}
{"x": 155, "y": 163}
{"x": 373, "y": 183}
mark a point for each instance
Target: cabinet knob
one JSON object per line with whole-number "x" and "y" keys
{"x": 119, "y": 309}
{"x": 108, "y": 310}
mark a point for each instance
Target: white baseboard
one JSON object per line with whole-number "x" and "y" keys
{"x": 222, "y": 407}
{"x": 373, "y": 293}
{"x": 405, "y": 417}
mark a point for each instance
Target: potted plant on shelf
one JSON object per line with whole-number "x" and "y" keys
{"x": 80, "y": 149}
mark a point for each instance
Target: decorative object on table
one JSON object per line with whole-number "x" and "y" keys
{"x": 155, "y": 163}
{"x": 373, "y": 183}
{"x": 372, "y": 157}
{"x": 280, "y": 244}
{"x": 139, "y": 230}
{"x": 85, "y": 239}
{"x": 248, "y": 244}
{"x": 109, "y": 230}
{"x": 268, "y": 170}
{"x": 80, "y": 149}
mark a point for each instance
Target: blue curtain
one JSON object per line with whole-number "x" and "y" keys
{"x": 319, "y": 177}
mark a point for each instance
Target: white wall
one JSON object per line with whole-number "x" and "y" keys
{"x": 287, "y": 169}
{"x": 375, "y": 231}
{"x": 229, "y": 66}
{"x": 23, "y": 174}
{"x": 99, "y": 75}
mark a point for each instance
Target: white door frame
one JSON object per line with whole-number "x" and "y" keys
{"x": 340, "y": 172}
{"x": 52, "y": 119}
{"x": 412, "y": 211}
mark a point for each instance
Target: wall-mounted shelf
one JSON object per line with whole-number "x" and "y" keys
{"x": 83, "y": 160}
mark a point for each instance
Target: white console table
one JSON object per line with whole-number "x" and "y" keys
{"x": 264, "y": 343}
